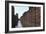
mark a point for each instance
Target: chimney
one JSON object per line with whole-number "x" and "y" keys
{"x": 30, "y": 8}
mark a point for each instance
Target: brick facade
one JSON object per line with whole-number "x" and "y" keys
{"x": 31, "y": 18}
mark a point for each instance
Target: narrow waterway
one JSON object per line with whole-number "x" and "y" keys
{"x": 19, "y": 25}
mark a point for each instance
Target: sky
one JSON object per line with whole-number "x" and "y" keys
{"x": 20, "y": 10}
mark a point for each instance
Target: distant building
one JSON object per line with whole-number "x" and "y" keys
{"x": 17, "y": 14}
{"x": 31, "y": 18}
{"x": 14, "y": 18}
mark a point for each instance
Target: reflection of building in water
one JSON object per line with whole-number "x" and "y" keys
{"x": 31, "y": 18}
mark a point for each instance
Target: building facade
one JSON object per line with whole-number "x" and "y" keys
{"x": 31, "y": 18}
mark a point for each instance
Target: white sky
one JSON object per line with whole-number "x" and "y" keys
{"x": 20, "y": 10}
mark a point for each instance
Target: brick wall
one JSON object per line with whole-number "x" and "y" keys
{"x": 31, "y": 18}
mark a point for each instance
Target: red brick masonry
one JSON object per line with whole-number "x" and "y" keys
{"x": 31, "y": 18}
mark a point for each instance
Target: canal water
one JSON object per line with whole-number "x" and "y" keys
{"x": 19, "y": 25}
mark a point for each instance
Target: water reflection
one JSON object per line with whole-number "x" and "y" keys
{"x": 19, "y": 24}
